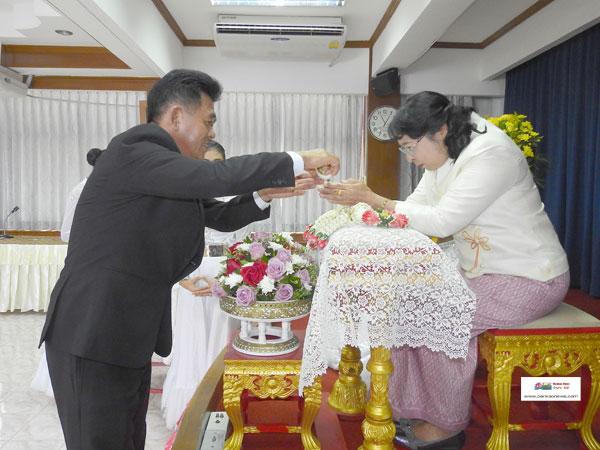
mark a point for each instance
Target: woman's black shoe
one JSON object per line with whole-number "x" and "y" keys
{"x": 406, "y": 438}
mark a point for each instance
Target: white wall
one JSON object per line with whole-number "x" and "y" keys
{"x": 451, "y": 71}
{"x": 349, "y": 74}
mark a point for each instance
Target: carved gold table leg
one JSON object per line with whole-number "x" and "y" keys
{"x": 498, "y": 383}
{"x": 312, "y": 404}
{"x": 233, "y": 386}
{"x": 349, "y": 393}
{"x": 592, "y": 407}
{"x": 378, "y": 429}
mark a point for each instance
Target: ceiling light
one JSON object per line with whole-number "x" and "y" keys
{"x": 64, "y": 32}
{"x": 277, "y": 2}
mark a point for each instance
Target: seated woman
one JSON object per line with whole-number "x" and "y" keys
{"x": 478, "y": 188}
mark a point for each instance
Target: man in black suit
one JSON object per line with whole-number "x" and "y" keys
{"x": 138, "y": 229}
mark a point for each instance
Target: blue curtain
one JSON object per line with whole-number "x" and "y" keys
{"x": 559, "y": 91}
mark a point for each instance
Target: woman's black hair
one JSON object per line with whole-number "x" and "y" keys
{"x": 214, "y": 145}
{"x": 182, "y": 86}
{"x": 93, "y": 155}
{"x": 426, "y": 112}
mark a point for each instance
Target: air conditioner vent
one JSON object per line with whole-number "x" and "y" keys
{"x": 280, "y": 30}
{"x": 280, "y": 38}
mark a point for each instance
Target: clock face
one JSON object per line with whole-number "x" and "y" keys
{"x": 379, "y": 120}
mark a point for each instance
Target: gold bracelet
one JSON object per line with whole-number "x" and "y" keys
{"x": 384, "y": 203}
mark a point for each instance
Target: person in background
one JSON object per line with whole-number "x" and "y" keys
{"x": 65, "y": 228}
{"x": 477, "y": 188}
{"x": 138, "y": 229}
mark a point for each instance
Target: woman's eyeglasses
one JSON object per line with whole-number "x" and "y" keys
{"x": 410, "y": 149}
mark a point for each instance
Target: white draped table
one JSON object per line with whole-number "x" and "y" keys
{"x": 200, "y": 331}
{"x": 383, "y": 288}
{"x": 29, "y": 269}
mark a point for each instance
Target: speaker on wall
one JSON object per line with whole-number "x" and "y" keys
{"x": 386, "y": 82}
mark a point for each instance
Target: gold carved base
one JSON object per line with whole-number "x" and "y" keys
{"x": 273, "y": 379}
{"x": 349, "y": 393}
{"x": 558, "y": 354}
{"x": 378, "y": 430}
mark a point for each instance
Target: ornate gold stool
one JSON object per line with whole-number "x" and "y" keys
{"x": 556, "y": 344}
{"x": 274, "y": 377}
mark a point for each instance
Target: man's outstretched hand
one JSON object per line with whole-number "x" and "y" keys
{"x": 304, "y": 182}
{"x": 320, "y": 159}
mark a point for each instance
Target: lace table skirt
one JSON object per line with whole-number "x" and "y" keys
{"x": 390, "y": 287}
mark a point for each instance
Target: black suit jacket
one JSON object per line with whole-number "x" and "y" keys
{"x": 138, "y": 229}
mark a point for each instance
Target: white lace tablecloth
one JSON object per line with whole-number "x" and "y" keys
{"x": 28, "y": 274}
{"x": 392, "y": 287}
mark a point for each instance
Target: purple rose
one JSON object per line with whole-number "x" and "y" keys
{"x": 284, "y": 254}
{"x": 245, "y": 296}
{"x": 256, "y": 250}
{"x": 276, "y": 269}
{"x": 217, "y": 291}
{"x": 260, "y": 235}
{"x": 284, "y": 293}
{"x": 304, "y": 276}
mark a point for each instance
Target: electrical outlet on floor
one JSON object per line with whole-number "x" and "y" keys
{"x": 215, "y": 432}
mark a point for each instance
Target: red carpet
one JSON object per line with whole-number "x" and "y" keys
{"x": 341, "y": 434}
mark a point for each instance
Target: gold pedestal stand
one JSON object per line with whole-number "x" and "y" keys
{"x": 268, "y": 377}
{"x": 349, "y": 393}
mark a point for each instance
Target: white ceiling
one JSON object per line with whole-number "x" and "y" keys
{"x": 91, "y": 27}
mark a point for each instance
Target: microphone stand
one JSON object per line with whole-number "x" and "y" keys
{"x": 4, "y": 235}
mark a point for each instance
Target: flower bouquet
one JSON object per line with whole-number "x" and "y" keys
{"x": 522, "y": 134}
{"x": 266, "y": 278}
{"x": 317, "y": 233}
{"x": 265, "y": 268}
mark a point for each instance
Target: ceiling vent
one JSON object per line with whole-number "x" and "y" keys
{"x": 280, "y": 38}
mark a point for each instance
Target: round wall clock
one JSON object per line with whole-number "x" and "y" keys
{"x": 379, "y": 120}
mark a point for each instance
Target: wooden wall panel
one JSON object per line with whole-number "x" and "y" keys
{"x": 93, "y": 83}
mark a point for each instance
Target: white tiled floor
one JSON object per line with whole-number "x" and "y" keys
{"x": 28, "y": 418}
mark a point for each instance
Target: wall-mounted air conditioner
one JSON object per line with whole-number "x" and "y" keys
{"x": 280, "y": 38}
{"x": 11, "y": 84}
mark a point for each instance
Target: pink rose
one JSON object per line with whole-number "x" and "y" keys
{"x": 245, "y": 296}
{"x": 217, "y": 291}
{"x": 370, "y": 217}
{"x": 284, "y": 293}
{"x": 284, "y": 254}
{"x": 260, "y": 235}
{"x": 256, "y": 250}
{"x": 303, "y": 275}
{"x": 400, "y": 221}
{"x": 276, "y": 269}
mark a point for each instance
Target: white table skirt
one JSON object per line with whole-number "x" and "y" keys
{"x": 200, "y": 331}
{"x": 28, "y": 274}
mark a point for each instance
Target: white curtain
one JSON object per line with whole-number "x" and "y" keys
{"x": 44, "y": 142}
{"x": 44, "y": 139}
{"x": 253, "y": 122}
{"x": 411, "y": 174}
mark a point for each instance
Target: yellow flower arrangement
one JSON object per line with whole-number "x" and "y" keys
{"x": 521, "y": 132}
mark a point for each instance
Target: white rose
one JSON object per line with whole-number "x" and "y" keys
{"x": 233, "y": 280}
{"x": 287, "y": 237}
{"x": 298, "y": 260}
{"x": 266, "y": 285}
{"x": 245, "y": 247}
{"x": 275, "y": 246}
{"x": 289, "y": 268}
